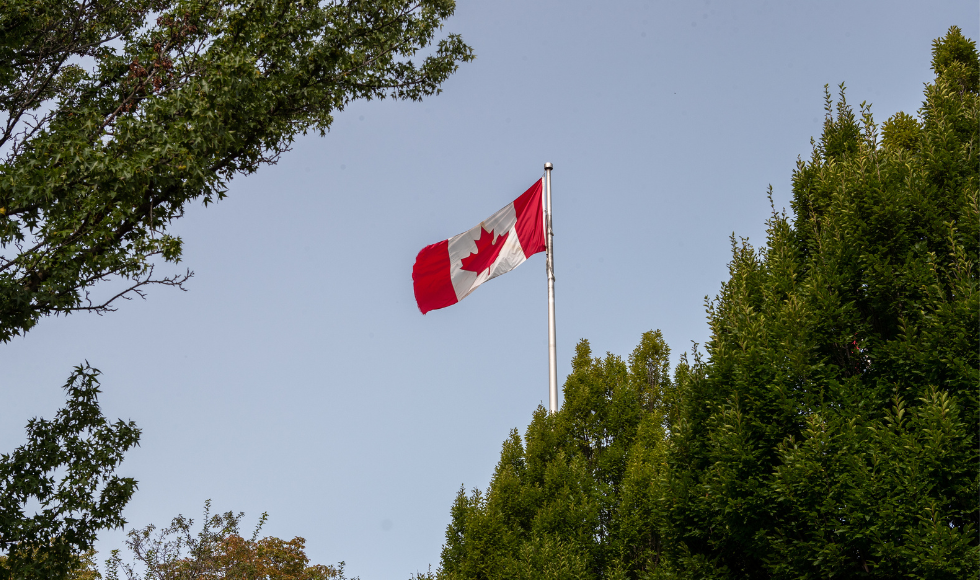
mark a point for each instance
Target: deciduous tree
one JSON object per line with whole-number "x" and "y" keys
{"x": 65, "y": 475}
{"x": 217, "y": 552}
{"x": 117, "y": 114}
{"x": 114, "y": 116}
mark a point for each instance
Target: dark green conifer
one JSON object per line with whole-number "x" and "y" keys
{"x": 834, "y": 433}
{"x": 573, "y": 499}
{"x": 833, "y": 430}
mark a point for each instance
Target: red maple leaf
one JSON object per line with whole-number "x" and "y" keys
{"x": 487, "y": 250}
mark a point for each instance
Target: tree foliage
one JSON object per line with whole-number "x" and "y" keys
{"x": 114, "y": 116}
{"x": 833, "y": 429}
{"x": 835, "y": 433}
{"x": 571, "y": 500}
{"x": 217, "y": 552}
{"x": 117, "y": 114}
{"x": 82, "y": 567}
{"x": 65, "y": 475}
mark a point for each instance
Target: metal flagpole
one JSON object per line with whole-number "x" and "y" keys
{"x": 550, "y": 265}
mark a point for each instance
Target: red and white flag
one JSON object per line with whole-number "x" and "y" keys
{"x": 446, "y": 272}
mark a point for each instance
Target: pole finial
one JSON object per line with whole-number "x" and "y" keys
{"x": 548, "y": 166}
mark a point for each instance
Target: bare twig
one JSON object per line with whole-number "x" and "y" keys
{"x": 176, "y": 281}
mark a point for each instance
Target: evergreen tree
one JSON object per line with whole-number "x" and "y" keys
{"x": 834, "y": 431}
{"x": 572, "y": 500}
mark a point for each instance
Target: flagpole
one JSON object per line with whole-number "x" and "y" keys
{"x": 550, "y": 265}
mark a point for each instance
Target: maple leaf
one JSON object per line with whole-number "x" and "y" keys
{"x": 487, "y": 250}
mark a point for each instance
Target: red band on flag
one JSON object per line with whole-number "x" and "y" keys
{"x": 530, "y": 220}
{"x": 433, "y": 287}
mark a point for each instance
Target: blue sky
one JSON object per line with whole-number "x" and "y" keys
{"x": 297, "y": 376}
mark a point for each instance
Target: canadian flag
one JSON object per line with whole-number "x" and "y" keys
{"x": 447, "y": 271}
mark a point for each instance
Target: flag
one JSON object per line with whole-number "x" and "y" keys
{"x": 446, "y": 272}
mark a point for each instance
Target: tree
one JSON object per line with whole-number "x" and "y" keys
{"x": 834, "y": 430}
{"x": 573, "y": 500}
{"x": 217, "y": 552}
{"x": 66, "y": 467}
{"x": 83, "y": 568}
{"x": 117, "y": 114}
